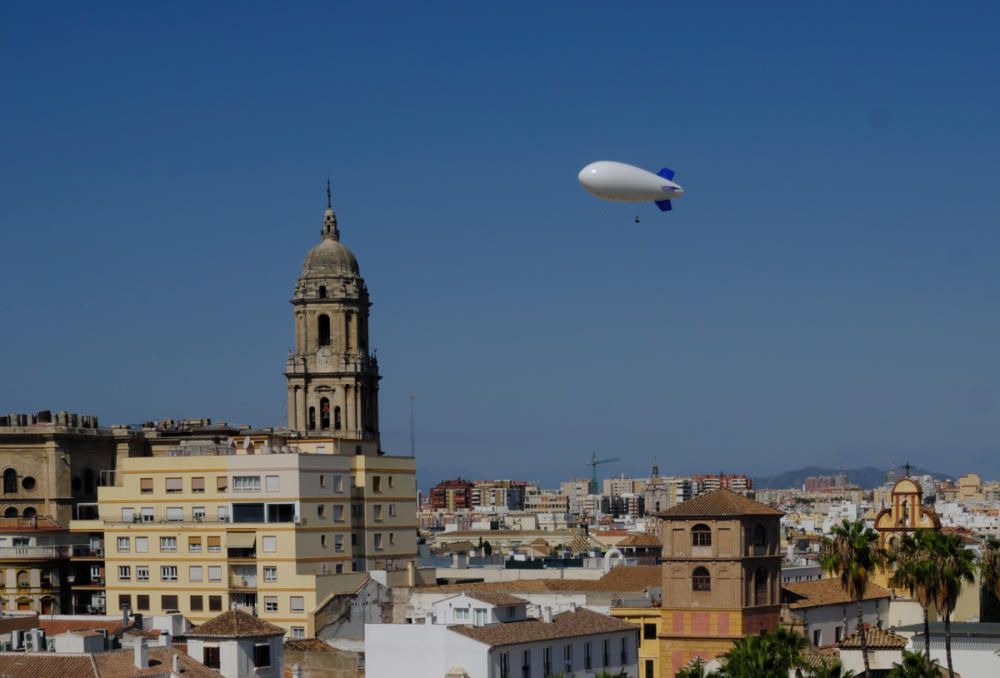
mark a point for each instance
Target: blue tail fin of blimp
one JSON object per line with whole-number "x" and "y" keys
{"x": 664, "y": 205}
{"x": 666, "y": 173}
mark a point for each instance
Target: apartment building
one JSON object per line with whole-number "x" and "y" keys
{"x": 274, "y": 534}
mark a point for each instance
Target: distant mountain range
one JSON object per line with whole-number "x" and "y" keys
{"x": 867, "y": 477}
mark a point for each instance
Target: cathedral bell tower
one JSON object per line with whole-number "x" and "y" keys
{"x": 332, "y": 377}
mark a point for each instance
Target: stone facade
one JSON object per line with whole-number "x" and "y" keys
{"x": 332, "y": 376}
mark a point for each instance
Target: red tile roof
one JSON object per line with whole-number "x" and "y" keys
{"x": 821, "y": 592}
{"x": 719, "y": 503}
{"x": 566, "y": 625}
{"x": 121, "y": 664}
{"x": 235, "y": 624}
{"x": 46, "y": 665}
{"x": 875, "y": 638}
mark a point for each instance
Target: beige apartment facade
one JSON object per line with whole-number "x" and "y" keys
{"x": 275, "y": 534}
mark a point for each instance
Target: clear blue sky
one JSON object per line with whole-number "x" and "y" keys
{"x": 825, "y": 293}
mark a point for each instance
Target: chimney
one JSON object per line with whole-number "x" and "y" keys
{"x": 141, "y": 654}
{"x": 572, "y": 606}
{"x": 547, "y": 614}
{"x": 175, "y": 665}
{"x": 125, "y": 611}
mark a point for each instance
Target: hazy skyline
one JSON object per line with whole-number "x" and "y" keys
{"x": 824, "y": 294}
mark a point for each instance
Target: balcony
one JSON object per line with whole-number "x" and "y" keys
{"x": 35, "y": 552}
{"x": 242, "y": 582}
{"x": 88, "y": 551}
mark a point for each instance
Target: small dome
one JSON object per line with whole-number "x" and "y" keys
{"x": 330, "y": 259}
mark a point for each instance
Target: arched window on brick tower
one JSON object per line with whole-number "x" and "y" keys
{"x": 760, "y": 587}
{"x": 701, "y": 580}
{"x": 324, "y": 413}
{"x": 336, "y": 418}
{"x": 701, "y": 535}
{"x": 323, "y": 330}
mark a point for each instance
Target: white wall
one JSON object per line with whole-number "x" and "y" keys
{"x": 972, "y": 657}
{"x": 827, "y": 618}
{"x": 420, "y": 651}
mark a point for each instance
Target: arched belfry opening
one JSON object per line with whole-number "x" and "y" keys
{"x": 323, "y": 329}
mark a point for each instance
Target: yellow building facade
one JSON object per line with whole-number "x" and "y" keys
{"x": 648, "y": 620}
{"x": 275, "y": 534}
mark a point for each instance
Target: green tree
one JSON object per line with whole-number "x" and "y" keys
{"x": 695, "y": 669}
{"x": 955, "y": 566}
{"x": 915, "y": 665}
{"x": 854, "y": 554}
{"x": 487, "y": 548}
{"x": 831, "y": 668}
{"x": 914, "y": 571}
{"x": 768, "y": 655}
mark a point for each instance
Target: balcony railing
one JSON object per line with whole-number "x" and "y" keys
{"x": 242, "y": 582}
{"x": 53, "y": 552}
{"x": 85, "y": 551}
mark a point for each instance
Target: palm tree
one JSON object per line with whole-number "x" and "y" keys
{"x": 831, "y": 668}
{"x": 695, "y": 669}
{"x": 914, "y": 571}
{"x": 955, "y": 566}
{"x": 855, "y": 555}
{"x": 768, "y": 655}
{"x": 914, "y": 665}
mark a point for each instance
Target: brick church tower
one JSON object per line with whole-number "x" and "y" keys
{"x": 721, "y": 576}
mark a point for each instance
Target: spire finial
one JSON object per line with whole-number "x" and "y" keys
{"x": 329, "y": 218}
{"x": 329, "y": 200}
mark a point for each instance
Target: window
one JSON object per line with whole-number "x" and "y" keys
{"x": 321, "y": 292}
{"x": 624, "y": 657}
{"x": 547, "y": 661}
{"x": 324, "y": 413}
{"x": 246, "y": 483}
{"x": 223, "y": 513}
{"x": 817, "y": 637}
{"x": 568, "y": 657}
{"x": 175, "y": 485}
{"x": 195, "y": 573}
{"x": 146, "y": 485}
{"x": 588, "y": 660}
{"x": 322, "y": 540}
{"x": 124, "y": 544}
{"x": 215, "y": 603}
{"x": 194, "y": 544}
{"x": 701, "y": 580}
{"x": 322, "y": 480}
{"x": 148, "y": 515}
{"x": 297, "y": 603}
{"x": 198, "y": 485}
{"x": 337, "y": 420}
{"x": 321, "y": 510}
{"x": 10, "y": 481}
{"x": 298, "y": 632}
{"x": 168, "y": 602}
{"x": 760, "y": 587}
{"x": 142, "y": 572}
{"x": 392, "y": 510}
{"x": 377, "y": 541}
{"x": 338, "y": 542}
{"x": 504, "y": 665}
{"x": 338, "y": 513}
{"x": 649, "y": 669}
{"x": 272, "y": 483}
{"x": 261, "y": 655}
{"x": 197, "y": 604}
{"x": 198, "y": 513}
{"x": 377, "y": 512}
{"x": 168, "y": 544}
{"x": 480, "y": 616}
{"x": 701, "y": 535}
{"x": 214, "y": 573}
{"x": 124, "y": 573}
{"x": 390, "y": 482}
{"x": 377, "y": 484}
{"x": 323, "y": 329}
{"x": 759, "y": 536}
{"x": 175, "y": 514}
{"x": 357, "y": 511}
{"x": 338, "y": 483}
{"x": 269, "y": 544}
{"x": 210, "y": 656}
{"x": 142, "y": 602}
{"x": 392, "y": 539}
{"x": 124, "y": 600}
{"x": 649, "y": 631}
{"x": 838, "y": 633}
{"x": 354, "y": 538}
{"x": 270, "y": 573}
{"x": 128, "y": 515}
{"x": 214, "y": 544}
{"x": 168, "y": 573}
{"x": 221, "y": 483}
{"x": 526, "y": 664}
{"x": 461, "y": 614}
{"x": 606, "y": 655}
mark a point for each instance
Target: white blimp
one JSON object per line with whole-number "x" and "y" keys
{"x": 617, "y": 181}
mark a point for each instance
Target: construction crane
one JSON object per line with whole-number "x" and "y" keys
{"x": 593, "y": 464}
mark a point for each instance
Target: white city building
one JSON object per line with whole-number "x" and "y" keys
{"x": 489, "y": 635}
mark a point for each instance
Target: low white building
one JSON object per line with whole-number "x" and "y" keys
{"x": 974, "y": 646}
{"x": 827, "y": 614}
{"x": 580, "y": 642}
{"x": 885, "y": 649}
{"x": 238, "y": 645}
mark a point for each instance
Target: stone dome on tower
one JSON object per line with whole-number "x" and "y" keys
{"x": 330, "y": 258}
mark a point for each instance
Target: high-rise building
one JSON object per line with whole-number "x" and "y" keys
{"x": 452, "y": 495}
{"x": 736, "y": 482}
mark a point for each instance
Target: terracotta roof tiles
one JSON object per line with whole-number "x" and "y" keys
{"x": 581, "y": 622}
{"x": 121, "y": 664}
{"x": 719, "y": 503}
{"x": 820, "y": 592}
{"x": 876, "y": 639}
{"x": 45, "y": 665}
{"x": 235, "y": 624}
